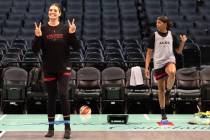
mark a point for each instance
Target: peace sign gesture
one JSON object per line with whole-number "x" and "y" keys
{"x": 38, "y": 31}
{"x": 72, "y": 26}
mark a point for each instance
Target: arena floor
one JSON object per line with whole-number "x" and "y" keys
{"x": 96, "y": 127}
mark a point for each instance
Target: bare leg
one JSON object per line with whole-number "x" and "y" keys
{"x": 171, "y": 71}
{"x": 161, "y": 97}
{"x": 161, "y": 92}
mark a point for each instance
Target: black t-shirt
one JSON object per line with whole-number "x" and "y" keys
{"x": 54, "y": 43}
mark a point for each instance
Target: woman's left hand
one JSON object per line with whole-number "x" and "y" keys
{"x": 183, "y": 38}
{"x": 72, "y": 27}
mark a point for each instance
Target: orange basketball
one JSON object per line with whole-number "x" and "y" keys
{"x": 85, "y": 110}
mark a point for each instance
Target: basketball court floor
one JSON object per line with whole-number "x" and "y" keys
{"x": 96, "y": 127}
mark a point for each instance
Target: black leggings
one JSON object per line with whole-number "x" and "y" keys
{"x": 57, "y": 84}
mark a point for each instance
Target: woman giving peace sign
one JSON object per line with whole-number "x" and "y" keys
{"x": 54, "y": 39}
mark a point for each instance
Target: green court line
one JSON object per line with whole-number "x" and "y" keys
{"x": 136, "y": 122}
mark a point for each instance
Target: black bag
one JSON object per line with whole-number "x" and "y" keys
{"x": 35, "y": 79}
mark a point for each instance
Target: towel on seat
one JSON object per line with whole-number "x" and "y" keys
{"x": 136, "y": 76}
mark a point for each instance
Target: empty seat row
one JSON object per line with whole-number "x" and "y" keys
{"x": 112, "y": 85}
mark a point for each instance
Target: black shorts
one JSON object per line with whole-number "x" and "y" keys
{"x": 160, "y": 73}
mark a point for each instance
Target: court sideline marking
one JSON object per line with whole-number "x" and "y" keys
{"x": 57, "y": 117}
{"x": 146, "y": 117}
{"x": 3, "y": 131}
{"x": 2, "y": 117}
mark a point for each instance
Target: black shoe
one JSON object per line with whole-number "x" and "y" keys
{"x": 67, "y": 134}
{"x": 50, "y": 133}
{"x": 167, "y": 97}
{"x": 164, "y": 117}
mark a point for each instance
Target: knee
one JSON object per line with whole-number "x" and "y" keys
{"x": 172, "y": 73}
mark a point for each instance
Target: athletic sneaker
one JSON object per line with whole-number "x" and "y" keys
{"x": 164, "y": 117}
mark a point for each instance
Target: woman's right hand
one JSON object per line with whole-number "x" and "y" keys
{"x": 38, "y": 31}
{"x": 147, "y": 73}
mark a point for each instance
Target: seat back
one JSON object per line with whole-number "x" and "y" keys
{"x": 89, "y": 87}
{"x": 205, "y": 75}
{"x": 15, "y": 75}
{"x": 113, "y": 83}
{"x": 205, "y": 83}
{"x": 187, "y": 85}
{"x": 187, "y": 78}
{"x": 88, "y": 78}
{"x": 14, "y": 83}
